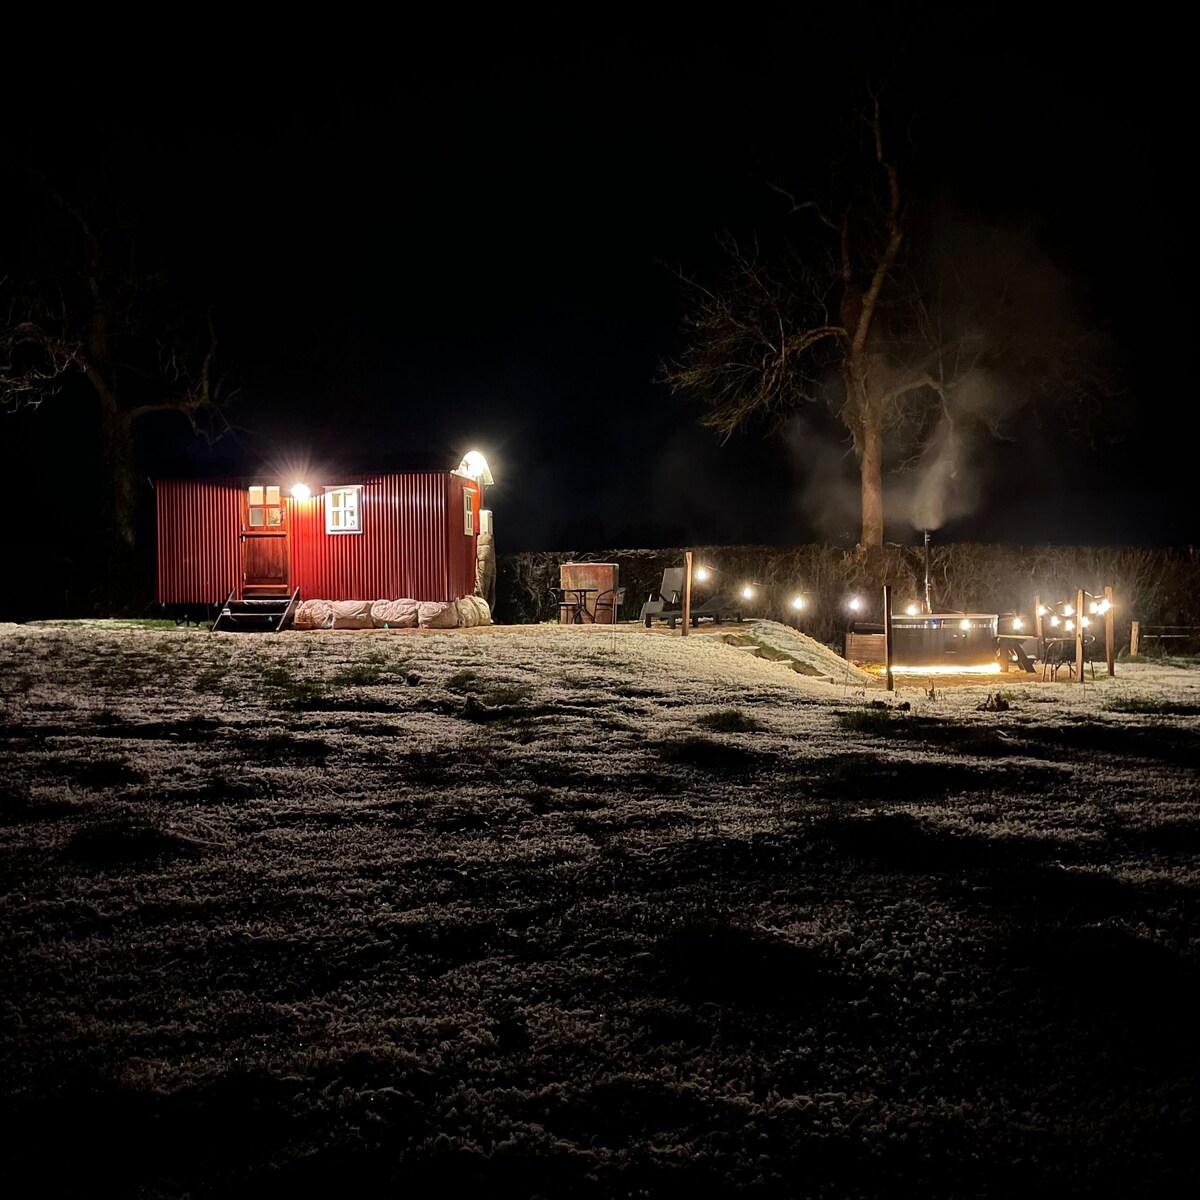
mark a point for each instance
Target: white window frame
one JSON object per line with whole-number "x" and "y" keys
{"x": 342, "y": 516}
{"x": 468, "y": 512}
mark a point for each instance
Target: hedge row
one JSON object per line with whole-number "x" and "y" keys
{"x": 1153, "y": 586}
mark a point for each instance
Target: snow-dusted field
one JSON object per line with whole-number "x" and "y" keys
{"x": 588, "y": 912}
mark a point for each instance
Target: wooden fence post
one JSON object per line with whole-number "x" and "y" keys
{"x": 1079, "y": 636}
{"x": 887, "y": 634}
{"x": 1109, "y": 648}
{"x": 1133, "y": 640}
{"x": 687, "y": 591}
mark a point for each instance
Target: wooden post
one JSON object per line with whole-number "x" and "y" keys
{"x": 687, "y": 592}
{"x": 1133, "y": 640}
{"x": 1037, "y": 615}
{"x": 1109, "y": 648}
{"x": 1079, "y": 636}
{"x": 887, "y": 634}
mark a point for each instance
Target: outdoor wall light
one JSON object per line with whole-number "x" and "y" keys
{"x": 747, "y": 592}
{"x": 911, "y": 610}
{"x": 798, "y": 602}
{"x": 474, "y": 466}
{"x": 301, "y": 491}
{"x": 964, "y": 624}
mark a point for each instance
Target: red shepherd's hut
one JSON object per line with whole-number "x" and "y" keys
{"x": 263, "y": 542}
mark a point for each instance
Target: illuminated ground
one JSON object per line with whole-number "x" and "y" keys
{"x": 589, "y": 912}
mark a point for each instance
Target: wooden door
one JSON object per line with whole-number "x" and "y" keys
{"x": 266, "y": 558}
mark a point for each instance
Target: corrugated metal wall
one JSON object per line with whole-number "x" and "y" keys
{"x": 199, "y": 557}
{"x": 412, "y": 544}
{"x": 460, "y": 549}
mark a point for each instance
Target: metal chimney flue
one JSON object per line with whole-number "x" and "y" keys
{"x": 928, "y": 595}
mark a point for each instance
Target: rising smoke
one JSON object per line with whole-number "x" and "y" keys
{"x": 986, "y": 311}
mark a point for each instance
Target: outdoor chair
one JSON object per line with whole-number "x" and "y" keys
{"x": 572, "y": 606}
{"x": 608, "y": 601}
{"x": 1053, "y": 658}
{"x": 1093, "y": 649}
{"x": 666, "y": 604}
{"x": 1060, "y": 652}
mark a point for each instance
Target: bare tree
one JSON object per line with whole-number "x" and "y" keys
{"x": 82, "y": 317}
{"x": 913, "y": 343}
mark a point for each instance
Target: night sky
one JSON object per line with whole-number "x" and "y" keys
{"x": 417, "y": 244}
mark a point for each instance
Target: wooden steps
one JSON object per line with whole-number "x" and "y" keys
{"x": 259, "y": 615}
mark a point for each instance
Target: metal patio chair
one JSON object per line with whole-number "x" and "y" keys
{"x": 608, "y": 601}
{"x": 1060, "y": 652}
{"x": 572, "y": 605}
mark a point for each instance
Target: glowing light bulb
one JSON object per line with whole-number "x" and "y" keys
{"x": 1054, "y": 622}
{"x": 964, "y": 624}
{"x": 301, "y": 491}
{"x": 1018, "y": 623}
{"x": 855, "y": 603}
{"x": 702, "y": 573}
{"x": 1068, "y": 611}
{"x": 911, "y": 610}
{"x": 747, "y": 592}
{"x": 1084, "y": 622}
{"x": 1042, "y": 610}
{"x": 797, "y": 602}
{"x": 1070, "y": 626}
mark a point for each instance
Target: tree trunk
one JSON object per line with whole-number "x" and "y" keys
{"x": 871, "y": 468}
{"x": 121, "y": 541}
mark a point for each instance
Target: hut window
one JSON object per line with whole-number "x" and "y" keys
{"x": 343, "y": 509}
{"x": 264, "y": 507}
{"x": 468, "y": 512}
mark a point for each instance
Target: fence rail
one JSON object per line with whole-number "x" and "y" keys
{"x": 1143, "y": 638}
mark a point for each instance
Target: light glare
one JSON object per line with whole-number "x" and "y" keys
{"x": 992, "y": 668}
{"x": 474, "y": 466}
